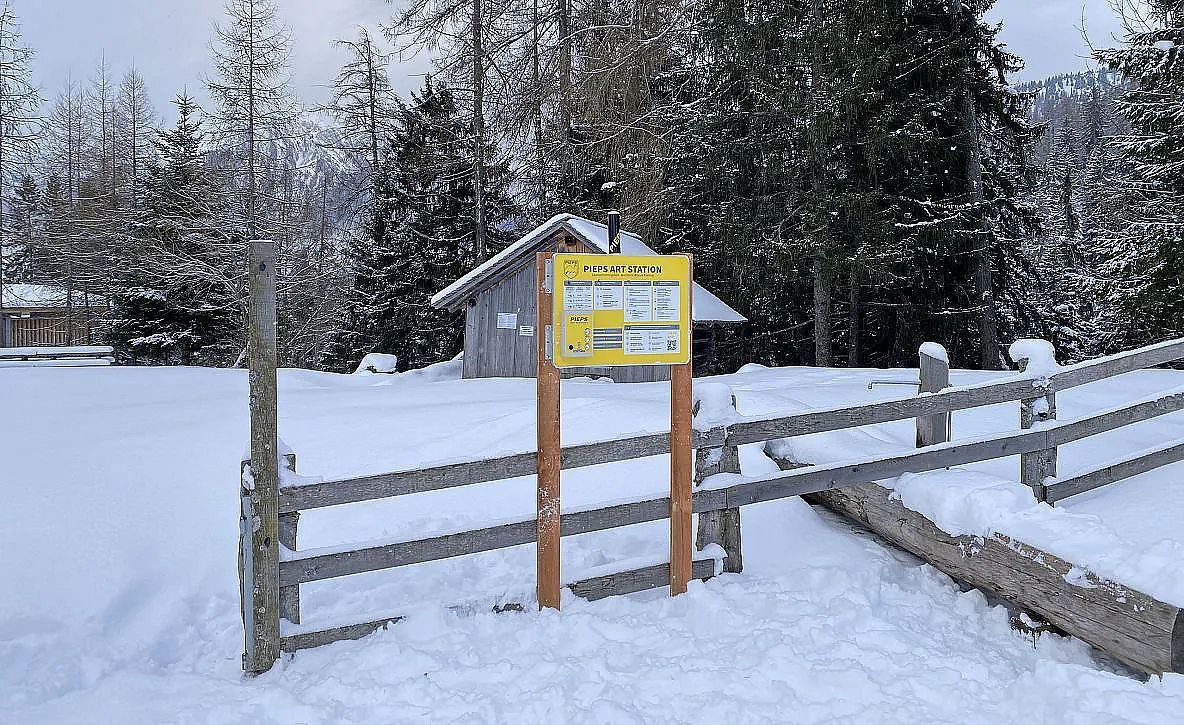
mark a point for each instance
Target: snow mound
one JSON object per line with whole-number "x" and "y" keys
{"x": 1034, "y": 356}
{"x": 935, "y": 351}
{"x": 377, "y": 362}
{"x": 714, "y": 405}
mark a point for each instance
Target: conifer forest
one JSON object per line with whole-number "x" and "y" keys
{"x": 854, "y": 176}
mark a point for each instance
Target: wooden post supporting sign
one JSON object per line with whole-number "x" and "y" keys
{"x": 681, "y": 468}
{"x": 549, "y": 443}
{"x": 619, "y": 311}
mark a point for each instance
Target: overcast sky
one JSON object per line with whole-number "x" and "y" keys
{"x": 168, "y": 39}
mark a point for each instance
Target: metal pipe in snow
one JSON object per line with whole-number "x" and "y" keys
{"x": 614, "y": 232}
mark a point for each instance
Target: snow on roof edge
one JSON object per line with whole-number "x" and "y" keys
{"x": 494, "y": 261}
{"x": 706, "y": 307}
{"x": 17, "y": 295}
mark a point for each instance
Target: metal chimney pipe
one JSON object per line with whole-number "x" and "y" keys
{"x": 614, "y": 231}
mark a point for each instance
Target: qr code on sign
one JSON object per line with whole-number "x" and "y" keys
{"x": 672, "y": 346}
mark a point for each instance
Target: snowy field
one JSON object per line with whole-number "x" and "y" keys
{"x": 119, "y": 602}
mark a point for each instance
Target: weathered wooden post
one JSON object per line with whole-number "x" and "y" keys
{"x": 935, "y": 376}
{"x": 259, "y": 570}
{"x": 289, "y": 522}
{"x": 1038, "y": 466}
{"x": 719, "y": 527}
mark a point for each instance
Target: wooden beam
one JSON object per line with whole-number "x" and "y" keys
{"x": 636, "y": 580}
{"x": 592, "y": 589}
{"x": 289, "y": 526}
{"x": 681, "y": 473}
{"x": 951, "y": 399}
{"x": 314, "y": 565}
{"x": 1124, "y": 362}
{"x": 755, "y": 431}
{"x": 259, "y": 513}
{"x": 1127, "y": 624}
{"x": 384, "y": 485}
{"x": 813, "y": 479}
{"x": 720, "y": 527}
{"x": 934, "y": 371}
{"x": 1142, "y": 463}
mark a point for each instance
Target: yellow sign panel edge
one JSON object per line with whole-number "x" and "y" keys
{"x": 588, "y": 268}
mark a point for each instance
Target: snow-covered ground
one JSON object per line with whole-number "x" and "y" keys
{"x": 119, "y": 603}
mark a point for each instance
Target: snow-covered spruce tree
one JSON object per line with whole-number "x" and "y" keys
{"x": 1080, "y": 196}
{"x": 1147, "y": 254}
{"x": 179, "y": 307}
{"x": 24, "y": 224}
{"x": 731, "y": 173}
{"x": 832, "y": 144}
{"x": 429, "y": 241}
{"x": 19, "y": 122}
{"x": 954, "y": 168}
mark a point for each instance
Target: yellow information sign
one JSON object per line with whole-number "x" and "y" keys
{"x": 612, "y": 310}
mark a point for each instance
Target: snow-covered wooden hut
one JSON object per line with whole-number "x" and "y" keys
{"x": 34, "y": 315}
{"x": 498, "y": 298}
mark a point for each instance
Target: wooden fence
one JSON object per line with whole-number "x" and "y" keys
{"x": 270, "y": 512}
{"x": 78, "y": 356}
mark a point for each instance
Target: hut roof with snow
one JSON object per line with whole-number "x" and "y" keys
{"x": 498, "y": 298}
{"x": 41, "y": 314}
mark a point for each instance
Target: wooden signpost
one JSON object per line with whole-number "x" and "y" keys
{"x": 597, "y": 310}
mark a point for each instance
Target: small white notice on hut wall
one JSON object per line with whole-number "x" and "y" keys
{"x": 507, "y": 320}
{"x": 526, "y": 330}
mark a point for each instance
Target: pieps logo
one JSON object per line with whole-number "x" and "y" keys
{"x": 571, "y": 268}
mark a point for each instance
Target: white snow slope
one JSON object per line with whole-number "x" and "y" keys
{"x": 119, "y": 604}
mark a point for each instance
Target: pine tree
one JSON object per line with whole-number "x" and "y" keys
{"x": 181, "y": 308}
{"x": 24, "y": 221}
{"x": 732, "y": 173}
{"x": 19, "y": 120}
{"x": 1147, "y": 253}
{"x": 429, "y": 243}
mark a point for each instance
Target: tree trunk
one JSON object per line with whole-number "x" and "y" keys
{"x": 984, "y": 296}
{"x": 478, "y": 134}
{"x": 565, "y": 52}
{"x": 822, "y": 304}
{"x": 540, "y": 152}
{"x": 855, "y": 304}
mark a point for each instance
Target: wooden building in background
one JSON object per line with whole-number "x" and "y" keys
{"x": 498, "y": 299}
{"x": 35, "y": 315}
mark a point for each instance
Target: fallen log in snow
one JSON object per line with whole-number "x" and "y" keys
{"x": 1130, "y": 626}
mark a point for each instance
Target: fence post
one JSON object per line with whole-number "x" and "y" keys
{"x": 934, "y": 369}
{"x": 719, "y": 527}
{"x": 259, "y": 570}
{"x": 1038, "y": 466}
{"x": 289, "y": 522}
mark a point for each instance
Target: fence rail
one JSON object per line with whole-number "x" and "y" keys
{"x": 722, "y": 490}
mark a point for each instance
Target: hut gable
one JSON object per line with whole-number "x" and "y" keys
{"x": 591, "y": 237}
{"x": 498, "y": 298}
